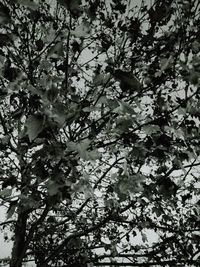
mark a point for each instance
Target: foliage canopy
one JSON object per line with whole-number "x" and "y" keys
{"x": 99, "y": 131}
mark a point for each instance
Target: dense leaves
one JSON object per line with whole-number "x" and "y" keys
{"x": 99, "y": 131}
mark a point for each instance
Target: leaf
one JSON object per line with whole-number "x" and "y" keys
{"x": 102, "y": 100}
{"x": 72, "y": 146}
{"x": 59, "y": 118}
{"x": 56, "y": 51}
{"x": 82, "y": 30}
{"x": 81, "y": 148}
{"x": 127, "y": 81}
{"x": 90, "y": 109}
{"x": 5, "y": 39}
{"x": 4, "y": 14}
{"x": 123, "y": 124}
{"x": 124, "y": 108}
{"x": 52, "y": 93}
{"x": 6, "y": 192}
{"x": 34, "y": 90}
{"x": 195, "y": 46}
{"x": 11, "y": 209}
{"x": 85, "y": 187}
{"x": 29, "y": 4}
{"x": 5, "y": 140}
{"x": 93, "y": 155}
{"x": 57, "y": 114}
{"x": 164, "y": 62}
{"x": 72, "y": 5}
{"x": 129, "y": 185}
{"x": 113, "y": 250}
{"x": 101, "y": 79}
{"x": 149, "y": 129}
{"x": 39, "y": 44}
{"x": 34, "y": 126}
{"x": 53, "y": 188}
{"x": 124, "y": 188}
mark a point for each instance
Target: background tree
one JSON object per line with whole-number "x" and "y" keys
{"x": 100, "y": 131}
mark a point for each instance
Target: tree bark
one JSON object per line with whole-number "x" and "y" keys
{"x": 19, "y": 242}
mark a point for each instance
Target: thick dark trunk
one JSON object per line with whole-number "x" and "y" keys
{"x": 18, "y": 250}
{"x": 19, "y": 240}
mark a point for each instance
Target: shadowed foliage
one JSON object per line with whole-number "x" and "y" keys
{"x": 99, "y": 131}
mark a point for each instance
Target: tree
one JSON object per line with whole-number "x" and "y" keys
{"x": 99, "y": 131}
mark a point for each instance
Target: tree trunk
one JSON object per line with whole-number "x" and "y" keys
{"x": 19, "y": 240}
{"x": 18, "y": 250}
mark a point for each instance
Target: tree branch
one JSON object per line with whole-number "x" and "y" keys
{"x": 8, "y": 222}
{"x": 160, "y": 263}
